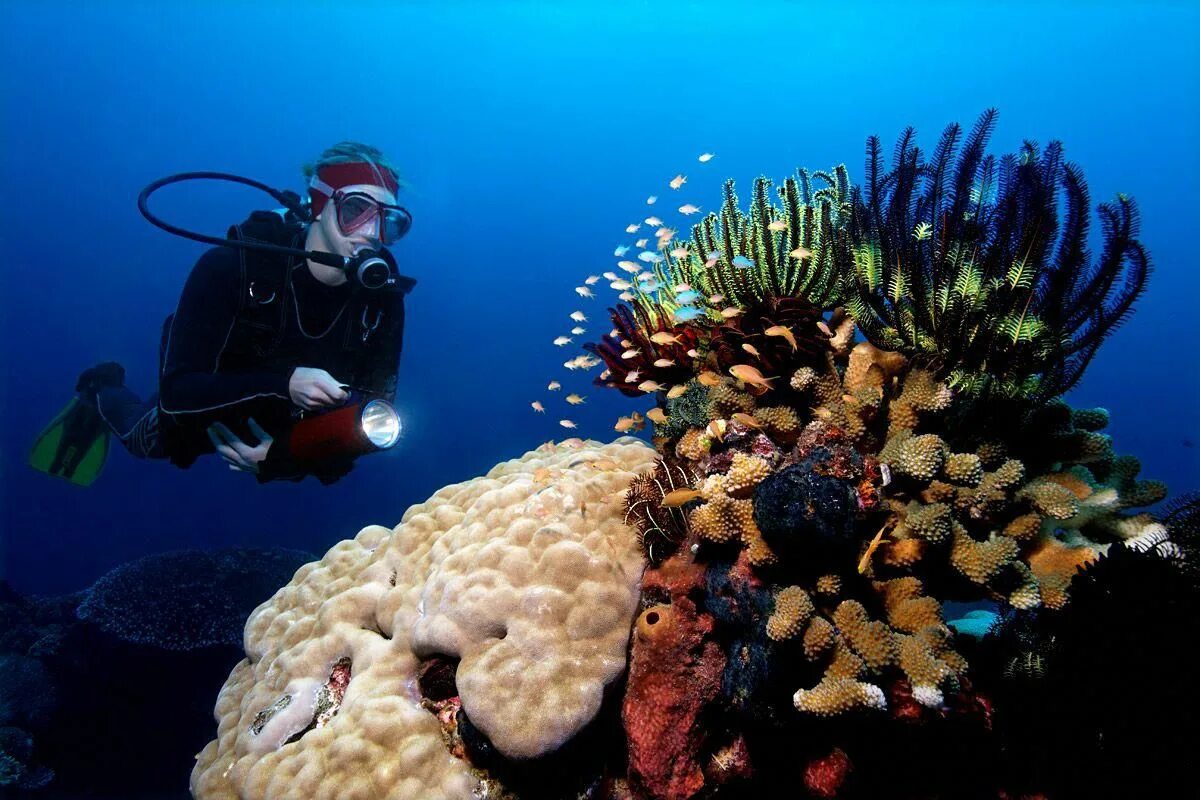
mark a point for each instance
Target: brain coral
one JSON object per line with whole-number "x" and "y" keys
{"x": 527, "y": 574}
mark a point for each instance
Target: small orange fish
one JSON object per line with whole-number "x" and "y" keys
{"x": 632, "y": 353}
{"x": 538, "y": 407}
{"x": 731, "y": 312}
{"x": 632, "y": 376}
{"x": 626, "y": 296}
{"x": 663, "y": 233}
{"x": 693, "y": 353}
{"x": 785, "y": 332}
{"x": 747, "y": 420}
{"x": 641, "y": 242}
{"x": 709, "y": 379}
{"x": 801, "y": 252}
{"x": 677, "y": 181}
{"x": 665, "y": 337}
{"x": 716, "y": 429}
{"x": 688, "y": 208}
{"x": 583, "y": 291}
{"x": 626, "y": 424}
{"x": 777, "y": 225}
{"x": 553, "y": 386}
{"x": 872, "y": 547}
{"x": 677, "y": 391}
{"x": 651, "y": 386}
{"x": 574, "y": 399}
{"x": 663, "y": 363}
{"x": 606, "y": 374}
{"x": 629, "y": 266}
{"x": 656, "y": 415}
{"x": 751, "y": 349}
{"x": 824, "y": 328}
{"x": 566, "y": 423}
{"x": 611, "y": 276}
{"x": 717, "y": 299}
{"x": 591, "y": 280}
{"x": 751, "y": 376}
{"x": 676, "y": 498}
{"x": 680, "y": 252}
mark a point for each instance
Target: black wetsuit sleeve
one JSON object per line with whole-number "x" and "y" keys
{"x": 207, "y": 307}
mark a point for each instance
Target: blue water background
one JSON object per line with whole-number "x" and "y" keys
{"x": 531, "y": 135}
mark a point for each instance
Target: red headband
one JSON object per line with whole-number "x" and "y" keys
{"x": 334, "y": 176}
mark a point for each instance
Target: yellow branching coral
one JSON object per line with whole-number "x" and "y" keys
{"x": 1054, "y": 565}
{"x": 903, "y": 552}
{"x": 1024, "y": 527}
{"x": 792, "y": 611}
{"x": 780, "y": 422}
{"x": 870, "y": 367}
{"x": 980, "y": 561}
{"x": 964, "y": 469}
{"x": 744, "y": 474}
{"x": 930, "y": 522}
{"x": 725, "y": 400}
{"x": 872, "y": 641}
{"x": 693, "y": 445}
{"x": 829, "y": 585}
{"x": 919, "y": 457}
{"x": 713, "y": 522}
{"x": 1050, "y": 499}
{"x": 834, "y": 696}
{"x": 819, "y": 638}
{"x": 992, "y": 454}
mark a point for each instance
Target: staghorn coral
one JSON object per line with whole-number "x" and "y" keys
{"x": 793, "y": 608}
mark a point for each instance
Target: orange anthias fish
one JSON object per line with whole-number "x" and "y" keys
{"x": 664, "y": 337}
{"x": 553, "y": 386}
{"x": 657, "y": 416}
{"x": 634, "y": 422}
{"x": 750, "y": 376}
{"x": 785, "y": 332}
{"x": 751, "y": 349}
{"x": 651, "y": 386}
{"x": 777, "y": 225}
{"x": 566, "y": 423}
{"x": 873, "y": 546}
{"x": 709, "y": 379}
{"x": 747, "y": 420}
{"x": 678, "y": 497}
{"x": 538, "y": 407}
{"x": 677, "y": 391}
{"x": 677, "y": 181}
{"x": 574, "y": 399}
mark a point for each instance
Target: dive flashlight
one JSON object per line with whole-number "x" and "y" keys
{"x": 362, "y": 425}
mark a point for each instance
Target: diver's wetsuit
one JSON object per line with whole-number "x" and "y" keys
{"x": 199, "y": 386}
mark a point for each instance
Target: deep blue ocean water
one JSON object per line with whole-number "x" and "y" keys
{"x": 531, "y": 134}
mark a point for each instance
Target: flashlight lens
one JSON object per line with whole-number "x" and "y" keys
{"x": 380, "y": 424}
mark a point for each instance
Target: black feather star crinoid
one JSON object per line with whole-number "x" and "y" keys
{"x": 968, "y": 266}
{"x": 660, "y": 527}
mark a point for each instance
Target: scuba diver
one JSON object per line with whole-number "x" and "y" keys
{"x": 282, "y": 353}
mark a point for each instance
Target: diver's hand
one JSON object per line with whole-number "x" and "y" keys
{"x": 312, "y": 388}
{"x": 239, "y": 455}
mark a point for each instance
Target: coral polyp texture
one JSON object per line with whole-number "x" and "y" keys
{"x": 527, "y": 576}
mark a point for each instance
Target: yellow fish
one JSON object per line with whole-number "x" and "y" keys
{"x": 746, "y": 419}
{"x": 651, "y": 386}
{"x": 656, "y": 415}
{"x": 709, "y": 379}
{"x": 824, "y": 328}
{"x": 785, "y": 332}
{"x": 632, "y": 376}
{"x": 664, "y": 233}
{"x": 678, "y": 180}
{"x": 731, "y": 312}
{"x": 677, "y": 391}
{"x": 611, "y": 276}
{"x": 716, "y": 429}
{"x": 688, "y": 208}
{"x": 632, "y": 352}
{"x": 538, "y": 407}
{"x": 872, "y": 547}
{"x": 664, "y": 337}
{"x": 751, "y": 376}
{"x": 553, "y": 386}
{"x": 626, "y": 296}
{"x": 678, "y": 497}
{"x": 663, "y": 363}
{"x": 574, "y": 399}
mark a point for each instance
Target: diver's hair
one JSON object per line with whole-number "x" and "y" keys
{"x": 344, "y": 152}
